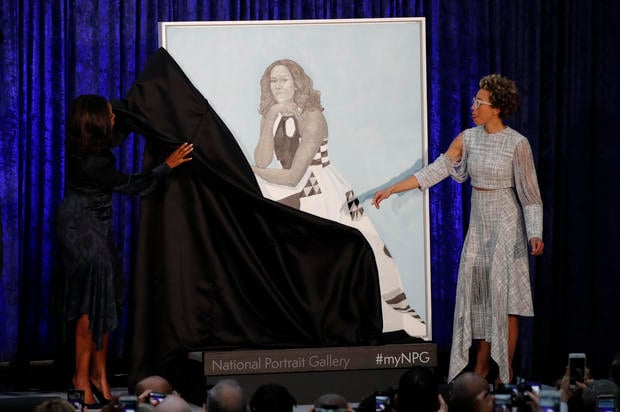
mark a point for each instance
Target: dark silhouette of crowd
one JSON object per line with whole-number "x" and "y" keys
{"x": 419, "y": 389}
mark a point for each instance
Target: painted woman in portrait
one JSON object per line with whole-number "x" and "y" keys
{"x": 293, "y": 168}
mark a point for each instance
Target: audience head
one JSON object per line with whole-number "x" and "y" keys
{"x": 330, "y": 401}
{"x": 154, "y": 383}
{"x": 465, "y": 389}
{"x": 173, "y": 403}
{"x": 226, "y": 396}
{"x": 272, "y": 398}
{"x": 599, "y": 387}
{"x": 596, "y": 388}
{"x": 54, "y": 405}
{"x": 367, "y": 404}
{"x": 417, "y": 391}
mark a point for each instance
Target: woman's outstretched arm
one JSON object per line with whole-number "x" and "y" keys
{"x": 453, "y": 153}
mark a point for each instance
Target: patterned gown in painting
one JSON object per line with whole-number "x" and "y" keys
{"x": 323, "y": 192}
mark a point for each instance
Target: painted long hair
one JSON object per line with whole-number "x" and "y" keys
{"x": 305, "y": 96}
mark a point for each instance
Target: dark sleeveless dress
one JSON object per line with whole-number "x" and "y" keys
{"x": 94, "y": 281}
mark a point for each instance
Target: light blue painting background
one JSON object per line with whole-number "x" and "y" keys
{"x": 371, "y": 77}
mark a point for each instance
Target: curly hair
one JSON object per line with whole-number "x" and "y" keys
{"x": 305, "y": 96}
{"x": 503, "y": 93}
{"x": 88, "y": 128}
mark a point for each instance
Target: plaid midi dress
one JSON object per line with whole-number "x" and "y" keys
{"x": 493, "y": 279}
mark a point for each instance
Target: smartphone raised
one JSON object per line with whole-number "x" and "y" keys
{"x": 128, "y": 403}
{"x": 549, "y": 400}
{"x": 536, "y": 387}
{"x": 606, "y": 403}
{"x": 382, "y": 403}
{"x": 577, "y": 368}
{"x": 76, "y": 398}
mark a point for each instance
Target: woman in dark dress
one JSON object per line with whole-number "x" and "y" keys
{"x": 91, "y": 265}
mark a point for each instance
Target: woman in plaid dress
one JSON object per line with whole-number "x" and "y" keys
{"x": 506, "y": 214}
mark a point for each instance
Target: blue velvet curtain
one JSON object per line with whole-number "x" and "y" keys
{"x": 562, "y": 55}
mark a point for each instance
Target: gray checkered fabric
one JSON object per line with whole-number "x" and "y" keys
{"x": 321, "y": 158}
{"x": 494, "y": 278}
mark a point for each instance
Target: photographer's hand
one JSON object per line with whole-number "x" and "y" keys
{"x": 565, "y": 392}
{"x": 533, "y": 401}
{"x": 144, "y": 396}
{"x": 443, "y": 406}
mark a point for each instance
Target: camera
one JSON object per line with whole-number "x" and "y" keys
{"x": 76, "y": 399}
{"x": 606, "y": 403}
{"x": 577, "y": 368}
{"x": 128, "y": 403}
{"x": 156, "y": 397}
{"x": 512, "y": 397}
{"x": 549, "y": 400}
{"x": 536, "y": 387}
{"x": 501, "y": 402}
{"x": 382, "y": 403}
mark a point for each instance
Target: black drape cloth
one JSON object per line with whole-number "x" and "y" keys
{"x": 218, "y": 265}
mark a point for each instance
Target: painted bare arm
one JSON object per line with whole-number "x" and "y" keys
{"x": 263, "y": 153}
{"x": 313, "y": 132}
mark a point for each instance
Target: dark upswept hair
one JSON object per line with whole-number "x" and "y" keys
{"x": 88, "y": 128}
{"x": 272, "y": 397}
{"x": 503, "y": 93}
{"x": 305, "y": 96}
{"x": 331, "y": 401}
{"x": 418, "y": 388}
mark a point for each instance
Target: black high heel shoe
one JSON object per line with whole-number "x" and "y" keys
{"x": 99, "y": 395}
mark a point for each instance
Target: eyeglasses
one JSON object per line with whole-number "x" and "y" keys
{"x": 475, "y": 103}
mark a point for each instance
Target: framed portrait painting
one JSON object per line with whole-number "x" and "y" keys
{"x": 327, "y": 112}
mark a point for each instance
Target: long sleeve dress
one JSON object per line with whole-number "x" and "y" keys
{"x": 493, "y": 280}
{"x": 94, "y": 281}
